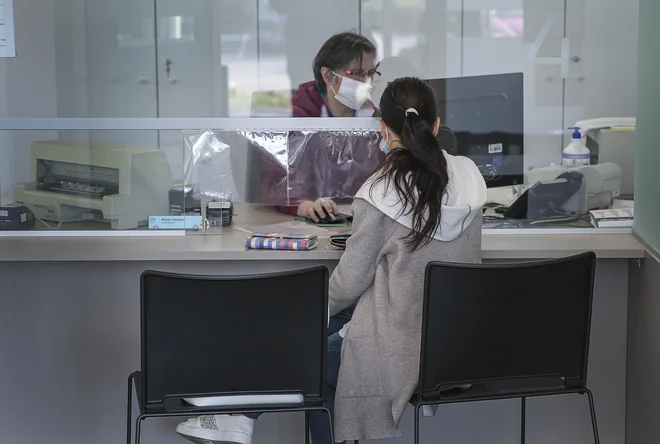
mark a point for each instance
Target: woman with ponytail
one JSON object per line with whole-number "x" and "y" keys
{"x": 421, "y": 205}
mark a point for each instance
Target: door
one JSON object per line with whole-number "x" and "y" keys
{"x": 121, "y": 67}
{"x": 602, "y": 75}
{"x": 206, "y": 63}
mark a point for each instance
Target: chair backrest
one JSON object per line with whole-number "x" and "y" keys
{"x": 497, "y": 322}
{"x": 217, "y": 335}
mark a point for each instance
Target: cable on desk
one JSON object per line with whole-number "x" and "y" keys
{"x": 44, "y": 222}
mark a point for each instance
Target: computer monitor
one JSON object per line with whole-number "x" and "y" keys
{"x": 486, "y": 115}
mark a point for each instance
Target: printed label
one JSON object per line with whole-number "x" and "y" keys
{"x": 495, "y": 148}
{"x": 575, "y": 159}
{"x": 576, "y": 156}
{"x": 175, "y": 222}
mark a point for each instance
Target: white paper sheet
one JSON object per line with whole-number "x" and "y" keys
{"x": 245, "y": 400}
{"x": 7, "y": 43}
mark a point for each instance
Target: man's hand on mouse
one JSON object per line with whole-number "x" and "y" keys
{"x": 320, "y": 206}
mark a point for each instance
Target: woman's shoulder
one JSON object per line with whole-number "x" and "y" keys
{"x": 374, "y": 191}
{"x": 464, "y": 173}
{"x": 362, "y": 208}
{"x": 367, "y": 213}
{"x": 378, "y": 197}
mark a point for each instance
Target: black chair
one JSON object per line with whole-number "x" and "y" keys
{"x": 208, "y": 336}
{"x": 506, "y": 331}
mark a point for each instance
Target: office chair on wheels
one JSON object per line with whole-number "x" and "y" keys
{"x": 506, "y": 331}
{"x": 270, "y": 328}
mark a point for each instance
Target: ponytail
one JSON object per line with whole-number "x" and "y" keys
{"x": 417, "y": 169}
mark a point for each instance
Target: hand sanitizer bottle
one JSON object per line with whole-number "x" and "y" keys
{"x": 576, "y": 153}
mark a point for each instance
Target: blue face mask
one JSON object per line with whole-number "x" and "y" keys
{"x": 383, "y": 142}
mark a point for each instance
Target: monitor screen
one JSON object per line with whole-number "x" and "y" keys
{"x": 486, "y": 115}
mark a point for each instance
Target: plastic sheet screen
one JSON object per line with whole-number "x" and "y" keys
{"x": 281, "y": 168}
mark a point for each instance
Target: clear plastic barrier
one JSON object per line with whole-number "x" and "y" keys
{"x": 280, "y": 168}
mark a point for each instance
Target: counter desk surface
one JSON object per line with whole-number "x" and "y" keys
{"x": 230, "y": 245}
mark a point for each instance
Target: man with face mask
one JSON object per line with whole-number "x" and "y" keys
{"x": 344, "y": 69}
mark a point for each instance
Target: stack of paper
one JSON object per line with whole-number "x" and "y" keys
{"x": 615, "y": 218}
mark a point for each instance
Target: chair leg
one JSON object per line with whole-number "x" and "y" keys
{"x": 417, "y": 424}
{"x": 332, "y": 429}
{"x": 592, "y": 408}
{"x": 129, "y": 409}
{"x": 523, "y": 412}
{"x": 138, "y": 424}
{"x": 306, "y": 427}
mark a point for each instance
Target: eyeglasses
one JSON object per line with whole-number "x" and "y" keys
{"x": 359, "y": 73}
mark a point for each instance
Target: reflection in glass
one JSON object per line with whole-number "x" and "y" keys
{"x": 505, "y": 23}
{"x": 177, "y": 28}
{"x": 135, "y": 32}
{"x": 72, "y": 181}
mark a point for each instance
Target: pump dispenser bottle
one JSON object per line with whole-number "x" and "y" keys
{"x": 576, "y": 152}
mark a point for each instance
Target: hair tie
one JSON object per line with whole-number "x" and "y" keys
{"x": 411, "y": 110}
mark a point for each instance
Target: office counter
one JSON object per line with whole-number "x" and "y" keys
{"x": 69, "y": 335}
{"x": 230, "y": 245}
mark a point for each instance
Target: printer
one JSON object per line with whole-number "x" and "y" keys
{"x": 598, "y": 184}
{"x": 616, "y": 145}
{"x": 76, "y": 181}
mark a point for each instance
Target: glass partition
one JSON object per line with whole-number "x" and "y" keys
{"x": 510, "y": 76}
{"x": 648, "y": 179}
{"x": 283, "y": 169}
{"x": 88, "y": 180}
{"x": 103, "y": 179}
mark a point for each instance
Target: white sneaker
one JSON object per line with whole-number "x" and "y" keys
{"x": 218, "y": 429}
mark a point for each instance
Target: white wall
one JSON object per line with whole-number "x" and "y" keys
{"x": 27, "y": 86}
{"x": 71, "y": 55}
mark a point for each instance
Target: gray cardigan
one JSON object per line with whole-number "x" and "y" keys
{"x": 380, "y": 355}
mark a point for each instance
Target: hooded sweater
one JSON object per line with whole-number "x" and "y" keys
{"x": 381, "y": 350}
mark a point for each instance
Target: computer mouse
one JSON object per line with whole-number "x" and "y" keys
{"x": 325, "y": 218}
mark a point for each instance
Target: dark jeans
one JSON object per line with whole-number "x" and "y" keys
{"x": 318, "y": 421}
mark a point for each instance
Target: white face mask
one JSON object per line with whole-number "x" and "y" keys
{"x": 352, "y": 93}
{"x": 383, "y": 142}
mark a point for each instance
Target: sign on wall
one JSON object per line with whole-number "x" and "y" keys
{"x": 7, "y": 44}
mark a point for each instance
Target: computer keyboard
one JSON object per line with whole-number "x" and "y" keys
{"x": 500, "y": 223}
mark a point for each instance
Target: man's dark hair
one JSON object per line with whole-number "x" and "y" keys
{"x": 339, "y": 51}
